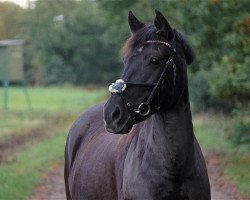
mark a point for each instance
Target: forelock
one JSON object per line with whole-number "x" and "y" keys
{"x": 137, "y": 39}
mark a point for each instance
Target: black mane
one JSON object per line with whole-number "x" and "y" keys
{"x": 187, "y": 48}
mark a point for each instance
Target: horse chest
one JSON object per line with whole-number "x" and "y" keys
{"x": 145, "y": 175}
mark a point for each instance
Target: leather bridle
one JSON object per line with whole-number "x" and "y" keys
{"x": 144, "y": 108}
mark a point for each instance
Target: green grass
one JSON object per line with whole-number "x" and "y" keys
{"x": 212, "y": 133}
{"x": 238, "y": 169}
{"x": 50, "y": 105}
{"x": 53, "y": 98}
{"x": 22, "y": 123}
{"x": 19, "y": 178}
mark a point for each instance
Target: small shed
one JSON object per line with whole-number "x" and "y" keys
{"x": 11, "y": 67}
{"x": 11, "y": 60}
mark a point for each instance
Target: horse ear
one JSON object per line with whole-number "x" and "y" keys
{"x": 164, "y": 30}
{"x": 134, "y": 23}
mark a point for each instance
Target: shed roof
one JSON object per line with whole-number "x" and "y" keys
{"x": 4, "y": 43}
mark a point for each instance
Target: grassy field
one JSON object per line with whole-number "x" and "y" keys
{"x": 52, "y": 98}
{"x": 50, "y": 106}
{"x": 54, "y": 110}
{"x": 19, "y": 178}
{"x": 212, "y": 133}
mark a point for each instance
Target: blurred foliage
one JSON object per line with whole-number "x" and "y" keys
{"x": 10, "y": 20}
{"x": 71, "y": 42}
{"x": 239, "y": 130}
{"x": 78, "y": 42}
{"x": 223, "y": 46}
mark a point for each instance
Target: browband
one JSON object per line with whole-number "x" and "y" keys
{"x": 157, "y": 41}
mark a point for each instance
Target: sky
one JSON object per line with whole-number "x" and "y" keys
{"x": 22, "y": 3}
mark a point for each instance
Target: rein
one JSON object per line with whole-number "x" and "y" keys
{"x": 144, "y": 108}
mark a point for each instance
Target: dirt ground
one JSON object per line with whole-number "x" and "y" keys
{"x": 221, "y": 187}
{"x": 52, "y": 187}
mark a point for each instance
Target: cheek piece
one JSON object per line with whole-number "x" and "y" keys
{"x": 144, "y": 108}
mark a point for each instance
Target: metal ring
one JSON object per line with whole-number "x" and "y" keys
{"x": 141, "y": 107}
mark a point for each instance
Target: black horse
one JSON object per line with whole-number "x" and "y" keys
{"x": 153, "y": 153}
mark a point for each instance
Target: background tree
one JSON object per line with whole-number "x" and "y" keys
{"x": 69, "y": 36}
{"x": 10, "y": 20}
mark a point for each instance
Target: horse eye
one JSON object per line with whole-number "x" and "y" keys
{"x": 155, "y": 61}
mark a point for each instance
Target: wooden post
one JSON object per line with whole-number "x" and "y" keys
{"x": 5, "y": 96}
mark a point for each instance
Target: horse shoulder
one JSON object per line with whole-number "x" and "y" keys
{"x": 81, "y": 130}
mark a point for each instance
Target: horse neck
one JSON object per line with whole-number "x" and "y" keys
{"x": 171, "y": 134}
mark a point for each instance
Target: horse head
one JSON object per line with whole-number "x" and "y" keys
{"x": 154, "y": 76}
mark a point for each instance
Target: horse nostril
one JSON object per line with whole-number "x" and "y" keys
{"x": 116, "y": 113}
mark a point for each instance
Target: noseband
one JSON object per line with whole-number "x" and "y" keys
{"x": 144, "y": 108}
